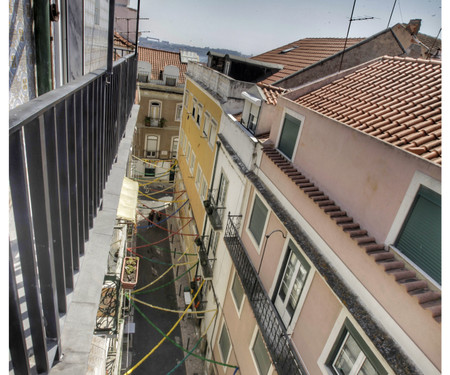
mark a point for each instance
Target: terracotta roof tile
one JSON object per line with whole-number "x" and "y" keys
{"x": 392, "y": 99}
{"x": 160, "y": 59}
{"x": 272, "y": 92}
{"x": 298, "y": 55}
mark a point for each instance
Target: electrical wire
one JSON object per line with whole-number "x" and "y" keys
{"x": 178, "y": 345}
{"x": 168, "y": 333}
{"x": 170, "y": 282}
{"x": 170, "y": 310}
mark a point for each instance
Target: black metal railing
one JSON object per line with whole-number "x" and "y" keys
{"x": 61, "y": 148}
{"x": 279, "y": 345}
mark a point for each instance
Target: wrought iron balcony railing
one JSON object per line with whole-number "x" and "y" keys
{"x": 279, "y": 345}
{"x": 215, "y": 213}
{"x": 62, "y": 146}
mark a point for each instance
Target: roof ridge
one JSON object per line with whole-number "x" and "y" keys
{"x": 412, "y": 59}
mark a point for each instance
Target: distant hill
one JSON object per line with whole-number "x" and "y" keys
{"x": 174, "y": 47}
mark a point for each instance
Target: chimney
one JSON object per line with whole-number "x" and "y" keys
{"x": 413, "y": 26}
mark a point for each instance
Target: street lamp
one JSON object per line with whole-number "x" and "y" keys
{"x": 265, "y": 244}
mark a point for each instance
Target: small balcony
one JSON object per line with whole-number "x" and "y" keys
{"x": 215, "y": 213}
{"x": 279, "y": 345}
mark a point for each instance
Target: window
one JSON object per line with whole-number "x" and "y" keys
{"x": 152, "y": 146}
{"x": 260, "y": 355}
{"x": 290, "y": 284}
{"x": 257, "y": 219}
{"x": 222, "y": 191}
{"x": 174, "y": 147}
{"x": 154, "y": 112}
{"x": 213, "y": 241}
{"x": 188, "y": 154}
{"x": 352, "y": 356}
{"x": 194, "y": 109}
{"x": 178, "y": 111}
{"x": 224, "y": 343}
{"x": 198, "y": 177}
{"x": 149, "y": 172}
{"x": 212, "y": 133}
{"x": 420, "y": 237}
{"x": 237, "y": 291}
{"x": 206, "y": 125}
{"x": 186, "y": 99}
{"x": 204, "y": 189}
{"x": 289, "y": 133}
{"x": 198, "y": 119}
{"x": 192, "y": 163}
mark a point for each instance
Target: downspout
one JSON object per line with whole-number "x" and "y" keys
{"x": 41, "y": 11}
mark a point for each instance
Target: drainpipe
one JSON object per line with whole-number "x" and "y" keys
{"x": 42, "y": 42}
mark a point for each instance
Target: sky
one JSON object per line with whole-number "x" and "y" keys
{"x": 255, "y": 26}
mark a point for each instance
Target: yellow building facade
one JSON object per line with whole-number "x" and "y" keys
{"x": 197, "y": 146}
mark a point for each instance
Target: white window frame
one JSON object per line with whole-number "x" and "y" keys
{"x": 297, "y": 116}
{"x": 224, "y": 326}
{"x": 198, "y": 119}
{"x": 335, "y": 335}
{"x": 146, "y": 144}
{"x": 204, "y": 189}
{"x": 154, "y": 121}
{"x": 186, "y": 99}
{"x": 194, "y": 109}
{"x": 215, "y": 126}
{"x": 255, "y": 362}
{"x": 247, "y": 227}
{"x": 178, "y": 111}
{"x": 238, "y": 305}
{"x": 172, "y": 148}
{"x": 206, "y": 125}
{"x": 192, "y": 163}
{"x": 198, "y": 178}
{"x": 188, "y": 154}
{"x": 306, "y": 285}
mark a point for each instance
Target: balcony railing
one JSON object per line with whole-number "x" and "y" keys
{"x": 279, "y": 345}
{"x": 62, "y": 146}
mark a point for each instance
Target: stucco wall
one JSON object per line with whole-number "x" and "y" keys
{"x": 364, "y": 175}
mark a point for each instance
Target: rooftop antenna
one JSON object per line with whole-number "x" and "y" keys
{"x": 348, "y": 30}
{"x": 392, "y": 12}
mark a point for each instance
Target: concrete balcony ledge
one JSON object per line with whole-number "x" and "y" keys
{"x": 79, "y": 323}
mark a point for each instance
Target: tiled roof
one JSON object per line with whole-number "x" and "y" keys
{"x": 272, "y": 92}
{"x": 396, "y": 99}
{"x": 414, "y": 286}
{"x": 302, "y": 53}
{"x": 160, "y": 59}
{"x": 120, "y": 41}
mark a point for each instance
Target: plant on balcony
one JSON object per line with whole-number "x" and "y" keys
{"x": 162, "y": 122}
{"x": 147, "y": 120}
{"x": 130, "y": 271}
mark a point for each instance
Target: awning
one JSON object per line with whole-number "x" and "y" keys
{"x": 128, "y": 200}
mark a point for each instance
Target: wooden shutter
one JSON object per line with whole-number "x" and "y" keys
{"x": 420, "y": 237}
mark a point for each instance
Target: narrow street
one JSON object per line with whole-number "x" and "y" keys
{"x": 153, "y": 245}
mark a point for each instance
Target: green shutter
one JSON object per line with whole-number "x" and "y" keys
{"x": 420, "y": 237}
{"x": 288, "y": 137}
{"x": 258, "y": 219}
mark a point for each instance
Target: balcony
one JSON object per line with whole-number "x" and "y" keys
{"x": 279, "y": 345}
{"x": 67, "y": 158}
{"x": 215, "y": 213}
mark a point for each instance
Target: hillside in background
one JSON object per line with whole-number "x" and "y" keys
{"x": 174, "y": 47}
